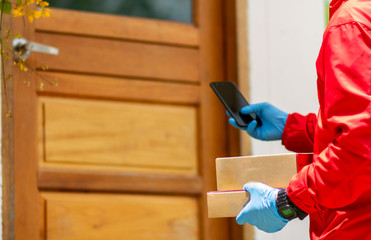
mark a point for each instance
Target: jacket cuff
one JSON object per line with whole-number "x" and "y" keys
{"x": 299, "y": 193}
{"x": 298, "y": 133}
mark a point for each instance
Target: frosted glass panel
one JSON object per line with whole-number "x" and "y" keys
{"x": 172, "y": 10}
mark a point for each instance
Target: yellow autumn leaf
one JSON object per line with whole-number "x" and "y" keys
{"x": 29, "y": 2}
{"x": 36, "y": 14}
{"x": 18, "y": 12}
{"x": 30, "y": 18}
{"x": 43, "y": 4}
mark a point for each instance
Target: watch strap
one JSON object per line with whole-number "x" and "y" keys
{"x": 283, "y": 201}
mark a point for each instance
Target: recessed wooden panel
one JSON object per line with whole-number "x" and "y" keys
{"x": 120, "y": 58}
{"x": 110, "y": 26}
{"x": 119, "y": 134}
{"x": 112, "y": 217}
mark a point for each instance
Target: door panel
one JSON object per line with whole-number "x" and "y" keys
{"x": 122, "y": 58}
{"x": 120, "y": 216}
{"x": 119, "y": 134}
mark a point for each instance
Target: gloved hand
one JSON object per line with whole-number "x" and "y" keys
{"x": 261, "y": 210}
{"x": 273, "y": 121}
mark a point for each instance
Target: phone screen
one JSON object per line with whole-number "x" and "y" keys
{"x": 233, "y": 101}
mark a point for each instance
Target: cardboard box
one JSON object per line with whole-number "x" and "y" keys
{"x": 273, "y": 170}
{"x": 226, "y": 204}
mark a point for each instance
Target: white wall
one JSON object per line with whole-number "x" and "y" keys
{"x": 284, "y": 37}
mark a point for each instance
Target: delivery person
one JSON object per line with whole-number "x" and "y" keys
{"x": 334, "y": 187}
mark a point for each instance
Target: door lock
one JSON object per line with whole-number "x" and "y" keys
{"x": 24, "y": 48}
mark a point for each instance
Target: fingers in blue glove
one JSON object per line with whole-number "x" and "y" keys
{"x": 261, "y": 210}
{"x": 232, "y": 121}
{"x": 252, "y": 128}
{"x": 255, "y": 108}
{"x": 273, "y": 120}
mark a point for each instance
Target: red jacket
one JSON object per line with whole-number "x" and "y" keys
{"x": 335, "y": 187}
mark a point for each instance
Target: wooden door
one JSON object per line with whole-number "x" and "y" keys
{"x": 124, "y": 146}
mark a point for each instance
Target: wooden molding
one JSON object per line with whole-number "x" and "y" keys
{"x": 120, "y": 27}
{"x": 102, "y": 181}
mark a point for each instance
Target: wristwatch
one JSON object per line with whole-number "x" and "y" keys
{"x": 286, "y": 208}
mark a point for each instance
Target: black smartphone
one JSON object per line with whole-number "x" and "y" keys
{"x": 233, "y": 100}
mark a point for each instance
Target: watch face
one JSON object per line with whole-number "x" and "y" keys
{"x": 287, "y": 212}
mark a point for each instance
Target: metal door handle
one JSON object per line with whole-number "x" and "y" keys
{"x": 24, "y": 48}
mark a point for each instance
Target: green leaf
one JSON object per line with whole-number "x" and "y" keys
{"x": 6, "y": 6}
{"x": 19, "y": 2}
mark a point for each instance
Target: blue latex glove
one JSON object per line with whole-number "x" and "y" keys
{"x": 273, "y": 121}
{"x": 261, "y": 210}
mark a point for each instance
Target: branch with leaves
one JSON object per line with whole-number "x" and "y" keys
{"x": 30, "y": 10}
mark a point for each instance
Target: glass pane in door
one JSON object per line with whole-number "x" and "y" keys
{"x": 172, "y": 10}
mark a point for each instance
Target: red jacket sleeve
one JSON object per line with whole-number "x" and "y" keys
{"x": 298, "y": 133}
{"x": 341, "y": 168}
